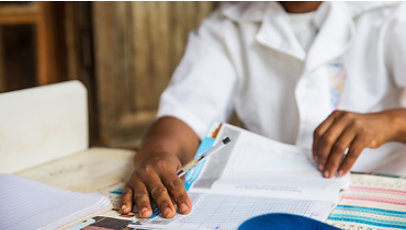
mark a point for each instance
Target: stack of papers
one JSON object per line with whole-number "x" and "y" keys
{"x": 27, "y": 204}
{"x": 253, "y": 175}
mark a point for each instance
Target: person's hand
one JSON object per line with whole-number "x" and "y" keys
{"x": 340, "y": 139}
{"x": 156, "y": 178}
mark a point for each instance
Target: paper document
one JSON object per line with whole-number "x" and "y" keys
{"x": 218, "y": 211}
{"x": 27, "y": 204}
{"x": 253, "y": 163}
{"x": 254, "y": 175}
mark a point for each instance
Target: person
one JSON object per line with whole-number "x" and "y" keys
{"x": 328, "y": 76}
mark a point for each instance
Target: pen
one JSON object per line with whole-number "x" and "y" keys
{"x": 196, "y": 161}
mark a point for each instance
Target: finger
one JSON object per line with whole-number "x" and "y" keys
{"x": 320, "y": 130}
{"x": 354, "y": 152}
{"x": 141, "y": 198}
{"x": 126, "y": 201}
{"x": 338, "y": 150}
{"x": 177, "y": 191}
{"x": 329, "y": 138}
{"x": 160, "y": 195}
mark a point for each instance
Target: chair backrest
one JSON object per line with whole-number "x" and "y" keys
{"x": 42, "y": 124}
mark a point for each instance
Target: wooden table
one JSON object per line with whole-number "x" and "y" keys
{"x": 103, "y": 170}
{"x": 94, "y": 170}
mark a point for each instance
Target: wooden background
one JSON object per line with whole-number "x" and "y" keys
{"x": 137, "y": 47}
{"x": 124, "y": 52}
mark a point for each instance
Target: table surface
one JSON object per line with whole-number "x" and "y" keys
{"x": 103, "y": 170}
{"x": 93, "y": 170}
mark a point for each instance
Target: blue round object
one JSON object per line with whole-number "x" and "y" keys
{"x": 284, "y": 221}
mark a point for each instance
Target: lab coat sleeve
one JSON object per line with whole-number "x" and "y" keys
{"x": 396, "y": 51}
{"x": 202, "y": 87}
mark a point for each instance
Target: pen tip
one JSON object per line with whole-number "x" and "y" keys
{"x": 226, "y": 140}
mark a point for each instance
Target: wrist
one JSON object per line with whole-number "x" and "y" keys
{"x": 397, "y": 121}
{"x": 145, "y": 155}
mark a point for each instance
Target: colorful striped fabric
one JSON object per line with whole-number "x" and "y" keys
{"x": 371, "y": 202}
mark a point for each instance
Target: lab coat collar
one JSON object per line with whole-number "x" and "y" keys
{"x": 275, "y": 32}
{"x": 334, "y": 20}
{"x": 336, "y": 29}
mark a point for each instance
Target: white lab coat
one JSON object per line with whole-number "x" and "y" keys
{"x": 246, "y": 58}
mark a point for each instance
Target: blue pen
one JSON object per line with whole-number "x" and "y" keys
{"x": 206, "y": 154}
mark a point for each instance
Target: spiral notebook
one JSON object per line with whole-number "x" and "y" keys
{"x": 27, "y": 204}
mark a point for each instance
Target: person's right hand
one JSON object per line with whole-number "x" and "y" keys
{"x": 156, "y": 178}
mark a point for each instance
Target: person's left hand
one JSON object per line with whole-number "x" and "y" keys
{"x": 339, "y": 140}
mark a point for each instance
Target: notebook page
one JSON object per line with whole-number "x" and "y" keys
{"x": 259, "y": 165}
{"x": 27, "y": 204}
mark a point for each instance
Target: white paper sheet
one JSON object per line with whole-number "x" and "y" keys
{"x": 260, "y": 165}
{"x": 217, "y": 211}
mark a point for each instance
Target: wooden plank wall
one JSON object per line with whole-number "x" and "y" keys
{"x": 2, "y": 74}
{"x": 79, "y": 56}
{"x": 137, "y": 47}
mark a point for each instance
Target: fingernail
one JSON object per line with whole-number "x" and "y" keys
{"x": 326, "y": 174}
{"x": 320, "y": 167}
{"x": 183, "y": 208}
{"x": 340, "y": 172}
{"x": 144, "y": 211}
{"x": 167, "y": 211}
{"x": 123, "y": 208}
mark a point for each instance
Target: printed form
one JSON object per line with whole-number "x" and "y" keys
{"x": 254, "y": 175}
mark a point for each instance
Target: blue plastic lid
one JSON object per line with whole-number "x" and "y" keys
{"x": 284, "y": 221}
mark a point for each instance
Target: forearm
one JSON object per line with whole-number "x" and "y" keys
{"x": 169, "y": 135}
